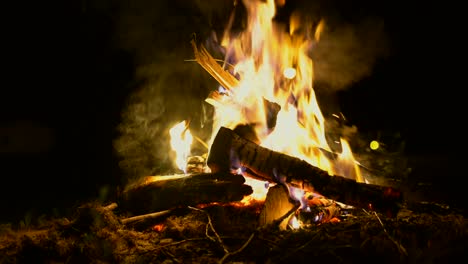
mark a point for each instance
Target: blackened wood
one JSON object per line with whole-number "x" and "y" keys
{"x": 229, "y": 152}
{"x": 271, "y": 111}
{"x": 159, "y": 193}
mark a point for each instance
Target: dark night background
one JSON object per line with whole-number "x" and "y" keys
{"x": 67, "y": 78}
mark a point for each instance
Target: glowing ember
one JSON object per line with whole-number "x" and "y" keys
{"x": 181, "y": 141}
{"x": 158, "y": 227}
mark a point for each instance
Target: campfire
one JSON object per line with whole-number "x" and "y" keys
{"x": 272, "y": 183}
{"x": 269, "y": 142}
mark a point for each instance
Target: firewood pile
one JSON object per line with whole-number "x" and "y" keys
{"x": 231, "y": 152}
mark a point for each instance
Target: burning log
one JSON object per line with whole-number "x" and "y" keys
{"x": 158, "y": 193}
{"x": 230, "y": 152}
{"x": 278, "y": 206}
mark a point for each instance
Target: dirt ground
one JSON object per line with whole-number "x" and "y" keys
{"x": 228, "y": 233}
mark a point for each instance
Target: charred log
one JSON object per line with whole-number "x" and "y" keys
{"x": 160, "y": 193}
{"x": 229, "y": 152}
{"x": 271, "y": 111}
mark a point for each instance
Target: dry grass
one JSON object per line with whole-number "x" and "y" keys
{"x": 226, "y": 233}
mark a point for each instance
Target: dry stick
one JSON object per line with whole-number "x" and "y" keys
{"x": 277, "y": 222}
{"x": 201, "y": 142}
{"x": 170, "y": 255}
{"x": 210, "y": 224}
{"x": 287, "y": 255}
{"x": 218, "y": 60}
{"x": 237, "y": 251}
{"x": 110, "y": 207}
{"x": 203, "y": 57}
{"x": 220, "y": 241}
{"x": 144, "y": 217}
{"x": 223, "y": 77}
{"x": 399, "y": 246}
{"x": 171, "y": 244}
{"x": 180, "y": 242}
{"x": 365, "y": 211}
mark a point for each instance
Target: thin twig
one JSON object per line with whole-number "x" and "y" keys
{"x": 227, "y": 253}
{"x": 202, "y": 142}
{"x": 210, "y": 223}
{"x": 207, "y": 231}
{"x": 218, "y": 60}
{"x": 204, "y": 58}
{"x": 182, "y": 241}
{"x": 143, "y": 217}
{"x": 110, "y": 207}
{"x": 275, "y": 223}
{"x": 165, "y": 252}
{"x": 399, "y": 246}
{"x": 287, "y": 255}
{"x": 237, "y": 251}
{"x": 159, "y": 247}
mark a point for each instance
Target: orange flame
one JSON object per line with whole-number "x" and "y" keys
{"x": 181, "y": 141}
{"x": 273, "y": 64}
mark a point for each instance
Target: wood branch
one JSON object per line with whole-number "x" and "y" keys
{"x": 228, "y": 81}
{"x": 277, "y": 204}
{"x": 110, "y": 207}
{"x": 133, "y": 219}
{"x": 158, "y": 193}
{"x": 203, "y": 57}
{"x": 230, "y": 151}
